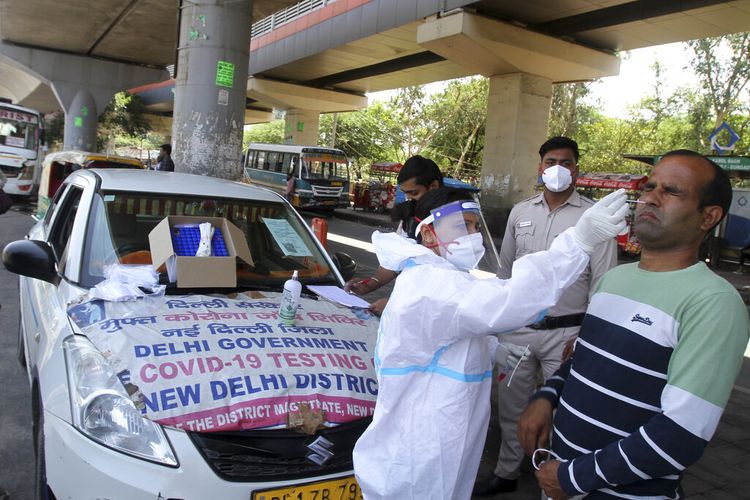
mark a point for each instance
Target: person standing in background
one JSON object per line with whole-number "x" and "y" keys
{"x": 164, "y": 161}
{"x": 532, "y": 226}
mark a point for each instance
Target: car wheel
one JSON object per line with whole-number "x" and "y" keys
{"x": 41, "y": 491}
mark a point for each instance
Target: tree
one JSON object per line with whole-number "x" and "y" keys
{"x": 54, "y": 129}
{"x": 457, "y": 118}
{"x": 124, "y": 116}
{"x": 723, "y": 79}
{"x": 567, "y": 110}
{"x": 271, "y": 133}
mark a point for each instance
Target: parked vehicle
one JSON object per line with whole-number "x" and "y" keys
{"x": 200, "y": 393}
{"x": 379, "y": 193}
{"x": 58, "y": 166}
{"x": 321, "y": 174}
{"x": 21, "y": 148}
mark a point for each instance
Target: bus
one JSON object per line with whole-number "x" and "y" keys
{"x": 21, "y": 142}
{"x": 321, "y": 174}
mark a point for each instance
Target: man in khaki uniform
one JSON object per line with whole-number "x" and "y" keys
{"x": 532, "y": 226}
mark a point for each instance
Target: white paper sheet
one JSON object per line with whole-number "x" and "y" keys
{"x": 339, "y": 296}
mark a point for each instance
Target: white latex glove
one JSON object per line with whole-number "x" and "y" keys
{"x": 603, "y": 221}
{"x": 204, "y": 246}
{"x": 508, "y": 355}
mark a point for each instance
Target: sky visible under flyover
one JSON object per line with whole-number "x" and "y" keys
{"x": 636, "y": 79}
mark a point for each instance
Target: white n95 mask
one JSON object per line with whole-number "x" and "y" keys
{"x": 466, "y": 251}
{"x": 557, "y": 178}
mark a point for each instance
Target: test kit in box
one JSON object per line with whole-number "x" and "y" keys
{"x": 174, "y": 234}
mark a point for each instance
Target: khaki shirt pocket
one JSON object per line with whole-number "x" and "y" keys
{"x": 524, "y": 240}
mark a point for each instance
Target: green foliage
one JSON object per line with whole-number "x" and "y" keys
{"x": 447, "y": 126}
{"x": 457, "y": 118}
{"x": 568, "y": 111}
{"x": 271, "y": 133}
{"x": 123, "y": 119}
{"x": 722, "y": 78}
{"x": 54, "y": 130}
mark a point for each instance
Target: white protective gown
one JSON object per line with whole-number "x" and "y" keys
{"x": 434, "y": 363}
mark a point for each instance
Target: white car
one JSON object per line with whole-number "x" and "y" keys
{"x": 93, "y": 439}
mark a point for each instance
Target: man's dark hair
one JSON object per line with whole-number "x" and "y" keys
{"x": 167, "y": 148}
{"x": 718, "y": 191}
{"x": 559, "y": 142}
{"x": 423, "y": 170}
{"x": 437, "y": 198}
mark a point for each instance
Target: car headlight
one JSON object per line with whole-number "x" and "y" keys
{"x": 102, "y": 409}
{"x": 27, "y": 172}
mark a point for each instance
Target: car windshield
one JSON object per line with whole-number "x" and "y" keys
{"x": 18, "y": 129}
{"x": 120, "y": 222}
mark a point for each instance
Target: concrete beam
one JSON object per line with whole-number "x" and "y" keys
{"x": 82, "y": 85}
{"x": 489, "y": 47}
{"x": 253, "y": 116}
{"x": 284, "y": 95}
{"x": 66, "y": 73}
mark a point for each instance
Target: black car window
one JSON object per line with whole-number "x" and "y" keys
{"x": 53, "y": 205}
{"x": 60, "y": 232}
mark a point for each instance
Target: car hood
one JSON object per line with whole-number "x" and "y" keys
{"x": 222, "y": 363}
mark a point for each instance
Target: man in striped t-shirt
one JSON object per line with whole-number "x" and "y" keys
{"x": 657, "y": 355}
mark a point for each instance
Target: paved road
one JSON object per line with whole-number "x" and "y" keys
{"x": 16, "y": 449}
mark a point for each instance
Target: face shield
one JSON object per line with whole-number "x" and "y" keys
{"x": 462, "y": 237}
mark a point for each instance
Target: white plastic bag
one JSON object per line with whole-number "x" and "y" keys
{"x": 123, "y": 282}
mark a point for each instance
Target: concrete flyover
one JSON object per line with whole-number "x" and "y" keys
{"x": 322, "y": 56}
{"x": 75, "y": 55}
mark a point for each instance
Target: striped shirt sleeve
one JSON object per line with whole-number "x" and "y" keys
{"x": 553, "y": 386}
{"x": 701, "y": 374}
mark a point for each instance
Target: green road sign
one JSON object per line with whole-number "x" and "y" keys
{"x": 224, "y": 74}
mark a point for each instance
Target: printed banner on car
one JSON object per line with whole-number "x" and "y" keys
{"x": 209, "y": 363}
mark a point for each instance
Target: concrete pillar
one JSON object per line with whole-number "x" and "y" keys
{"x": 81, "y": 119}
{"x": 210, "y": 88}
{"x": 301, "y": 127}
{"x": 517, "y": 115}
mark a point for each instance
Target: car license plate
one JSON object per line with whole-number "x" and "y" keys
{"x": 345, "y": 488}
{"x": 336, "y": 183}
{"x": 329, "y": 202}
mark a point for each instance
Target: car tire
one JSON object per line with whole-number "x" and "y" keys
{"x": 41, "y": 491}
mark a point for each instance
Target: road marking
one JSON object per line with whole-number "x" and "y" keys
{"x": 345, "y": 240}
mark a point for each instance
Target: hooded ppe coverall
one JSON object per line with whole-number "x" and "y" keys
{"x": 434, "y": 364}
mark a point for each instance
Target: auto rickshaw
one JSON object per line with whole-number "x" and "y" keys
{"x": 57, "y": 166}
{"x": 379, "y": 194}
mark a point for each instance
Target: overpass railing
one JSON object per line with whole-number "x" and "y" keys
{"x": 285, "y": 16}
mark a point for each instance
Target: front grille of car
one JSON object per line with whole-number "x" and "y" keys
{"x": 277, "y": 454}
{"x": 326, "y": 191}
{"x": 10, "y": 171}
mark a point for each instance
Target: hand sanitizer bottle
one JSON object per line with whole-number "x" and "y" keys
{"x": 290, "y": 299}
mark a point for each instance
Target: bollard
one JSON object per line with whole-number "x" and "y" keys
{"x": 320, "y": 229}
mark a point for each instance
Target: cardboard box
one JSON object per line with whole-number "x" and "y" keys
{"x": 199, "y": 272}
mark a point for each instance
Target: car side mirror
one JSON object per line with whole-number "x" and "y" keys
{"x": 345, "y": 264}
{"x": 31, "y": 258}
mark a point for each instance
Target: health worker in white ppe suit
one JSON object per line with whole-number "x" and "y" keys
{"x": 436, "y": 343}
